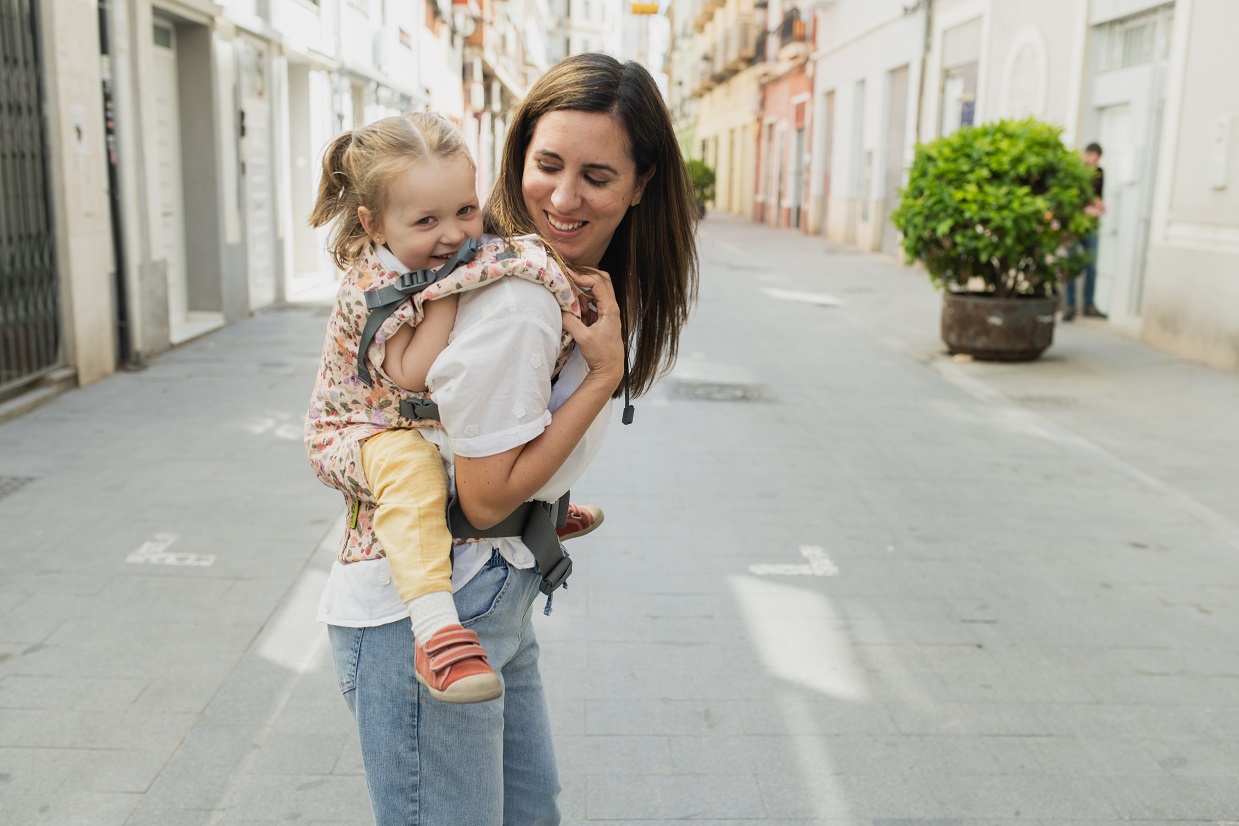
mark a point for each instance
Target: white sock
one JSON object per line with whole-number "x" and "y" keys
{"x": 431, "y": 612}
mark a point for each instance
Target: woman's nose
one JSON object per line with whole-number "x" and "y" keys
{"x": 565, "y": 197}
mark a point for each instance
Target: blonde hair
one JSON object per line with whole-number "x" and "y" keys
{"x": 359, "y": 165}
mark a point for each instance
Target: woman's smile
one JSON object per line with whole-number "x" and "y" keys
{"x": 564, "y": 226}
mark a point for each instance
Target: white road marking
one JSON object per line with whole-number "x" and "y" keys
{"x": 155, "y": 552}
{"x": 798, "y": 637}
{"x": 820, "y": 299}
{"x": 819, "y": 564}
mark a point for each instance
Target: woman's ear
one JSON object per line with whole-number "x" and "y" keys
{"x": 369, "y": 224}
{"x": 641, "y": 182}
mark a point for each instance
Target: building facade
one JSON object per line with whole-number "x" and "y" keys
{"x": 1140, "y": 77}
{"x": 169, "y": 153}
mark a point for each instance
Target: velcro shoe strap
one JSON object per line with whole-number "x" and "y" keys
{"x": 451, "y": 647}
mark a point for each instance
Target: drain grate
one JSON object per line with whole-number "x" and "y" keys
{"x": 719, "y": 391}
{"x": 12, "y": 484}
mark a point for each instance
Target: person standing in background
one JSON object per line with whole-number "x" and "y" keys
{"x": 1096, "y": 208}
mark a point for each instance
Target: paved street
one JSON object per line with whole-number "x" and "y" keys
{"x": 844, "y": 579}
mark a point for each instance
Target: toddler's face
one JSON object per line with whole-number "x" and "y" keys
{"x": 432, "y": 207}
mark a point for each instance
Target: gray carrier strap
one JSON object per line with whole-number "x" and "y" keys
{"x": 535, "y": 523}
{"x": 386, "y": 300}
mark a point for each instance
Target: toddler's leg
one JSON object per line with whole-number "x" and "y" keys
{"x": 408, "y": 481}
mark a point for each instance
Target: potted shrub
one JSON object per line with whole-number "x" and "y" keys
{"x": 703, "y": 179}
{"x": 994, "y": 213}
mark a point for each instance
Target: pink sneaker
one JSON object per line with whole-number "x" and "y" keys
{"x": 453, "y": 667}
{"x": 581, "y": 520}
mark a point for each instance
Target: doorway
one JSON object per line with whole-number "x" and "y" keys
{"x": 896, "y": 132}
{"x": 257, "y": 182}
{"x": 1128, "y": 93}
{"x": 165, "y": 188}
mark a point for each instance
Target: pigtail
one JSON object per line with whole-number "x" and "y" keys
{"x": 333, "y": 186}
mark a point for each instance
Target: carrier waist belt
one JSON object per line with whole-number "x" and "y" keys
{"x": 535, "y": 523}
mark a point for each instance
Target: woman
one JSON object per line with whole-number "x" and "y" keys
{"x": 591, "y": 164}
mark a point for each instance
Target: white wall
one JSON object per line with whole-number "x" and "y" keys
{"x": 859, "y": 40}
{"x": 78, "y": 178}
{"x": 1192, "y": 277}
{"x": 1036, "y": 56}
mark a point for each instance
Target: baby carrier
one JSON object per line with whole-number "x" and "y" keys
{"x": 342, "y": 412}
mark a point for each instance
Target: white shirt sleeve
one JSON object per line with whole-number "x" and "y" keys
{"x": 493, "y": 380}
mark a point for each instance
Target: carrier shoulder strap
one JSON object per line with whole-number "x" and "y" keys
{"x": 386, "y": 300}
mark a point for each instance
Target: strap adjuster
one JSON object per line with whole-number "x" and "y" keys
{"x": 416, "y": 281}
{"x": 560, "y": 572}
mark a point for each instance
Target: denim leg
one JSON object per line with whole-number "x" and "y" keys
{"x": 531, "y": 779}
{"x": 1090, "y": 272}
{"x": 374, "y": 667}
{"x": 430, "y": 763}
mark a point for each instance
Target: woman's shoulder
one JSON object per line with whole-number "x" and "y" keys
{"x": 512, "y": 294}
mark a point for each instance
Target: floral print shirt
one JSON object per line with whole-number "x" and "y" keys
{"x": 344, "y": 411}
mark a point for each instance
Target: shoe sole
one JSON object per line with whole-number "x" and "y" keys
{"x": 478, "y": 688}
{"x": 597, "y": 522}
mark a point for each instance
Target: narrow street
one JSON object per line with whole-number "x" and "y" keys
{"x": 844, "y": 579}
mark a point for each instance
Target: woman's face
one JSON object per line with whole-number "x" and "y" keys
{"x": 579, "y": 181}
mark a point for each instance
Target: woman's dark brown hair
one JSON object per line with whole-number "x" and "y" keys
{"x": 652, "y": 257}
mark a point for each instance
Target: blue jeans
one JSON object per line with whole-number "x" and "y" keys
{"x": 1089, "y": 242}
{"x": 430, "y": 763}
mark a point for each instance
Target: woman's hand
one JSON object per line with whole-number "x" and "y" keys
{"x": 601, "y": 339}
{"x": 491, "y": 487}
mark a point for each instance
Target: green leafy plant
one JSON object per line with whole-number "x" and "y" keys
{"x": 997, "y": 209}
{"x": 703, "y": 179}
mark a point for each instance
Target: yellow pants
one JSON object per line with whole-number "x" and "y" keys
{"x": 407, "y": 478}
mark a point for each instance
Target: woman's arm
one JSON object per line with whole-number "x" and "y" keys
{"x": 491, "y": 487}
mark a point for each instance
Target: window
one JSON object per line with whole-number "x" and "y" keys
{"x": 1136, "y": 40}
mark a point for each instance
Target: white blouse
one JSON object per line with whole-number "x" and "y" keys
{"x": 493, "y": 386}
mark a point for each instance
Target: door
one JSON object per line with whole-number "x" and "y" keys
{"x": 896, "y": 132}
{"x": 828, "y": 154}
{"x": 165, "y": 187}
{"x": 797, "y": 192}
{"x": 1117, "y": 233}
{"x": 1127, "y": 100}
{"x": 258, "y": 186}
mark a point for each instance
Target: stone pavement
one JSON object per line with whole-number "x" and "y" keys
{"x": 844, "y": 579}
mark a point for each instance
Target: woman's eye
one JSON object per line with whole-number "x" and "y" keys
{"x": 547, "y": 169}
{"x": 596, "y": 181}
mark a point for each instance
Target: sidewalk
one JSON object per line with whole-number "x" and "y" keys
{"x": 843, "y": 579}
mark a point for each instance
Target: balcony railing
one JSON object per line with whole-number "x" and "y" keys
{"x": 792, "y": 29}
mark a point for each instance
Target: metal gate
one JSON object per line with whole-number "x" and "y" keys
{"x": 29, "y": 294}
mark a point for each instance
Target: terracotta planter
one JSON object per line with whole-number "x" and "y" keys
{"x": 997, "y": 329}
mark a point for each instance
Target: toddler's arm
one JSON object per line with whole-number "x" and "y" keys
{"x": 408, "y": 354}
